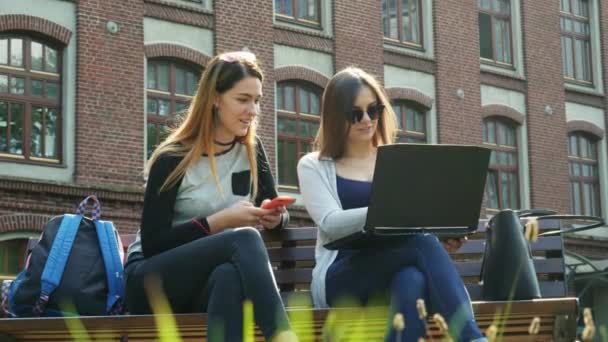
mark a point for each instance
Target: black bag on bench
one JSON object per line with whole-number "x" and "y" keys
{"x": 507, "y": 270}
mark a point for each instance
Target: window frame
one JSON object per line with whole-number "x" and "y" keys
{"x": 573, "y": 36}
{"x": 403, "y": 105}
{"x": 400, "y": 40}
{"x": 592, "y": 161}
{"x": 499, "y": 169}
{"x": 494, "y": 15}
{"x": 298, "y": 117}
{"x": 169, "y": 95}
{"x": 22, "y": 251}
{"x": 316, "y": 24}
{"x": 29, "y": 101}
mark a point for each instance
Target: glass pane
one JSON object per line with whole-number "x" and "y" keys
{"x": 164, "y": 107}
{"x": 3, "y": 125}
{"x": 36, "y": 56}
{"x": 52, "y": 90}
{"x": 51, "y": 59}
{"x": 302, "y": 8}
{"x": 588, "y": 198}
{"x": 393, "y": 22}
{"x": 152, "y": 106}
{"x": 151, "y": 76}
{"x": 192, "y": 83}
{"x": 513, "y": 195}
{"x": 576, "y": 198}
{"x": 491, "y": 193}
{"x": 586, "y": 170}
{"x": 180, "y": 81}
{"x": 505, "y": 6}
{"x": 315, "y": 107}
{"x": 36, "y": 88}
{"x": 286, "y": 126}
{"x": 491, "y": 132}
{"x": 279, "y": 97}
{"x": 419, "y": 122}
{"x": 572, "y": 146}
{"x": 36, "y": 144}
{"x": 288, "y": 9}
{"x": 16, "y": 129}
{"x": 289, "y": 98}
{"x": 485, "y": 36}
{"x": 151, "y": 139}
{"x": 505, "y": 40}
{"x": 16, "y": 52}
{"x": 50, "y": 134}
{"x": 584, "y": 8}
{"x": 583, "y": 148}
{"x": 17, "y": 85}
{"x": 3, "y": 51}
{"x": 576, "y": 169}
{"x": 592, "y": 150}
{"x": 277, "y": 6}
{"x": 582, "y": 60}
{"x": 409, "y": 124}
{"x": 505, "y": 191}
{"x": 384, "y": 18}
{"x": 292, "y": 159}
{"x": 493, "y": 159}
{"x": 568, "y": 57}
{"x": 303, "y": 96}
{"x": 513, "y": 159}
{"x": 312, "y": 10}
{"x": 596, "y": 200}
{"x": 565, "y": 5}
{"x": 414, "y": 17}
{"x": 510, "y": 136}
{"x": 405, "y": 20}
{"x": 576, "y": 7}
{"x": 3, "y": 83}
{"x": 163, "y": 77}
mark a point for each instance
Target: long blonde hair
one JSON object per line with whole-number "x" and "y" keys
{"x": 195, "y": 134}
{"x": 338, "y": 100}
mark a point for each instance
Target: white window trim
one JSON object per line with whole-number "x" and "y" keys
{"x": 326, "y": 14}
{"x": 428, "y": 51}
{"x": 596, "y": 56}
{"x": 517, "y": 54}
{"x": 206, "y": 5}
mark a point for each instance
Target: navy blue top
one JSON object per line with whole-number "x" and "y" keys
{"x": 353, "y": 193}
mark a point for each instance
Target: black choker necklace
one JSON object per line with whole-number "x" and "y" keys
{"x": 224, "y": 144}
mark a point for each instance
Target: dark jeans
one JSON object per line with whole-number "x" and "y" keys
{"x": 214, "y": 275}
{"x": 417, "y": 267}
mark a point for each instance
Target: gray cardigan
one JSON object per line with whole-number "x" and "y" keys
{"x": 317, "y": 177}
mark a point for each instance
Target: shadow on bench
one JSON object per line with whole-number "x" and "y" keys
{"x": 291, "y": 253}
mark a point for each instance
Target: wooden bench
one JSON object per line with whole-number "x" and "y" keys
{"x": 291, "y": 253}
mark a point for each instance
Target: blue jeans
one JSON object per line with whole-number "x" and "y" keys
{"x": 417, "y": 267}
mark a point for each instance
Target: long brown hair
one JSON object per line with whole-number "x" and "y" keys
{"x": 338, "y": 100}
{"x": 195, "y": 135}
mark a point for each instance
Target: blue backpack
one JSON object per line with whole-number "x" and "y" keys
{"x": 76, "y": 264}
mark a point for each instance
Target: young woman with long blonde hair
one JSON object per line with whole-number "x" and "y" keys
{"x": 205, "y": 186}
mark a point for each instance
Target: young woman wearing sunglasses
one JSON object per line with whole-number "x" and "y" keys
{"x": 335, "y": 183}
{"x": 197, "y": 234}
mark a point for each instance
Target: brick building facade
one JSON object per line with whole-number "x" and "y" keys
{"x": 527, "y": 78}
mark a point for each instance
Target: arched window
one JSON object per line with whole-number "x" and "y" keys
{"x": 584, "y": 174}
{"x": 411, "y": 120}
{"x": 170, "y": 86}
{"x": 30, "y": 100}
{"x": 298, "y": 116}
{"x": 502, "y": 185}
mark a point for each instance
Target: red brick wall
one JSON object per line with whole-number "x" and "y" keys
{"x": 109, "y": 86}
{"x": 546, "y": 134}
{"x": 248, "y": 24}
{"x": 358, "y": 35}
{"x": 458, "y": 121}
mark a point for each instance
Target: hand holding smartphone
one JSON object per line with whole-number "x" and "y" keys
{"x": 278, "y": 201}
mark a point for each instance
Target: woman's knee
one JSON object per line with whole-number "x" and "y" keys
{"x": 248, "y": 237}
{"x": 227, "y": 277}
{"x": 427, "y": 241}
{"x": 411, "y": 277}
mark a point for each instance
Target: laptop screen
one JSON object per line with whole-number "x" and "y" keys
{"x": 418, "y": 185}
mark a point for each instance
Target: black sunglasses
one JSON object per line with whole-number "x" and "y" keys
{"x": 373, "y": 111}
